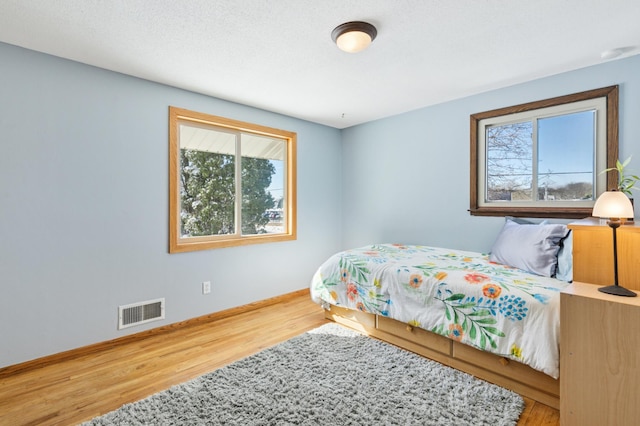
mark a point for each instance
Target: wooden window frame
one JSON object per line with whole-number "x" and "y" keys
{"x": 178, "y": 244}
{"x": 611, "y": 95}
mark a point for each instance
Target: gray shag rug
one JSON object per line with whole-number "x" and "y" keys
{"x": 327, "y": 376}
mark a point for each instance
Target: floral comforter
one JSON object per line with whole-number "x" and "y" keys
{"x": 458, "y": 294}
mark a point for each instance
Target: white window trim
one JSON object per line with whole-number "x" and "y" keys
{"x": 600, "y": 148}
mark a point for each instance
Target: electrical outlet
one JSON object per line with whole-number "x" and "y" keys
{"x": 206, "y": 287}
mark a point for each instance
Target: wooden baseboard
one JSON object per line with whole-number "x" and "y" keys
{"x": 101, "y": 346}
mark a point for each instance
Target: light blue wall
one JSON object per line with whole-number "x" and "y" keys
{"x": 84, "y": 195}
{"x": 84, "y": 208}
{"x": 406, "y": 178}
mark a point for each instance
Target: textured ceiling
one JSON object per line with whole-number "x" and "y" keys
{"x": 278, "y": 54}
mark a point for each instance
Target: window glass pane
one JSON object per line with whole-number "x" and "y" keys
{"x": 262, "y": 184}
{"x": 207, "y": 182}
{"x": 277, "y": 215}
{"x": 509, "y": 161}
{"x": 566, "y": 145}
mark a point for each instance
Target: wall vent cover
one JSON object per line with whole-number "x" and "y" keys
{"x": 140, "y": 313}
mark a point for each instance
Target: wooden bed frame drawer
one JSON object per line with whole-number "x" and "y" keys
{"x": 507, "y": 367}
{"x": 415, "y": 334}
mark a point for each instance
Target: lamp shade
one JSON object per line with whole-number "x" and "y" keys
{"x": 613, "y": 204}
{"x": 355, "y": 36}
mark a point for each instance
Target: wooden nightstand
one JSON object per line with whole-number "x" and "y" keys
{"x": 593, "y": 253}
{"x": 599, "y": 358}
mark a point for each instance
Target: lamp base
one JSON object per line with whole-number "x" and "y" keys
{"x": 617, "y": 290}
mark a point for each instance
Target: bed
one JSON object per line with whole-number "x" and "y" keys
{"x": 494, "y": 315}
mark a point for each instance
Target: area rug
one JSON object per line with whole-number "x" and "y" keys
{"x": 327, "y": 376}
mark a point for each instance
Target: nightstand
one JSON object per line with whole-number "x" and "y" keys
{"x": 599, "y": 357}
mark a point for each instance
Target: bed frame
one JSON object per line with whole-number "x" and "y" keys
{"x": 502, "y": 371}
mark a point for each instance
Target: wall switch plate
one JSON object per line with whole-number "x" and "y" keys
{"x": 206, "y": 287}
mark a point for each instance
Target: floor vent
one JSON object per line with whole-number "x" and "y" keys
{"x": 140, "y": 313}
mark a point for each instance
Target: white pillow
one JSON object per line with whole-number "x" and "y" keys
{"x": 532, "y": 248}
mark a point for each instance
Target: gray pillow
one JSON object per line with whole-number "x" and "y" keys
{"x": 532, "y": 248}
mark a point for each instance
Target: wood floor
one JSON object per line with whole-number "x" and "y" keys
{"x": 77, "y": 386}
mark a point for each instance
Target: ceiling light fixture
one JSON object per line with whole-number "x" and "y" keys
{"x": 354, "y": 36}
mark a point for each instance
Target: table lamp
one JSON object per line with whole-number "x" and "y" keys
{"x": 614, "y": 205}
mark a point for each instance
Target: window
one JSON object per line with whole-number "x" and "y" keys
{"x": 230, "y": 183}
{"x": 544, "y": 158}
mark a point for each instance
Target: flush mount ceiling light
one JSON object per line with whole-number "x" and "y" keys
{"x": 354, "y": 36}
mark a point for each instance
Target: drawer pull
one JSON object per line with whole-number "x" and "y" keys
{"x": 504, "y": 361}
{"x": 409, "y": 328}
